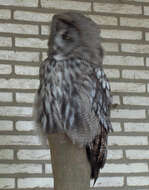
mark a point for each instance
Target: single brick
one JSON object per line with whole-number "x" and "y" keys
{"x": 24, "y": 125}
{"x": 26, "y": 70}
{"x": 19, "y": 83}
{"x": 45, "y": 30}
{"x": 128, "y": 140}
{"x": 136, "y": 127}
{"x": 147, "y": 36}
{"x": 7, "y": 183}
{"x": 18, "y": 140}
{"x": 5, "y": 42}
{"x": 121, "y": 34}
{"x": 31, "y": 42}
{"x": 48, "y": 168}
{"x": 115, "y": 154}
{"x": 57, "y": 4}
{"x": 33, "y": 154}
{"x": 138, "y": 181}
{"x": 19, "y": 56}
{"x": 125, "y": 168}
{"x": 136, "y": 100}
{"x": 36, "y": 182}
{"x": 116, "y": 100}
{"x": 146, "y": 10}
{"x": 135, "y": 74}
{"x": 18, "y": 28}
{"x": 110, "y": 47}
{"x": 112, "y": 73}
{"x": 134, "y": 22}
{"x": 104, "y": 20}
{"x": 44, "y": 56}
{"x": 116, "y": 126}
{"x": 147, "y": 61}
{"x": 5, "y": 13}
{"x": 123, "y": 60}
{"x": 5, "y": 69}
{"x": 109, "y": 182}
{"x": 135, "y": 48}
{"x": 137, "y": 154}
{"x": 128, "y": 114}
{"x": 6, "y": 97}
{"x": 116, "y": 8}
{"x": 25, "y": 97}
{"x": 32, "y": 16}
{"x": 6, "y": 125}
{"x": 20, "y": 168}
{"x": 20, "y": 3}
{"x": 127, "y": 87}
{"x": 6, "y": 154}
{"x": 15, "y": 111}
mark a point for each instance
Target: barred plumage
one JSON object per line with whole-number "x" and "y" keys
{"x": 74, "y": 93}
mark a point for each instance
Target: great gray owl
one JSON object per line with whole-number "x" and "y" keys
{"x": 74, "y": 94}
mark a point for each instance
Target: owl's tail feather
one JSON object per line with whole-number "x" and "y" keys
{"x": 97, "y": 154}
{"x": 94, "y": 176}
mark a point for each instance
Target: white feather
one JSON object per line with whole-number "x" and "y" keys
{"x": 98, "y": 74}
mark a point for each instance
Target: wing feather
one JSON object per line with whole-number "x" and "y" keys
{"x": 97, "y": 149}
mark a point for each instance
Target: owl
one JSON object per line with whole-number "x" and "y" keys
{"x": 74, "y": 93}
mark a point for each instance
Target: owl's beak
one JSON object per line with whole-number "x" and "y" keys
{"x": 56, "y": 55}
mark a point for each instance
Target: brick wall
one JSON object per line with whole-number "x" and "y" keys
{"x": 24, "y": 161}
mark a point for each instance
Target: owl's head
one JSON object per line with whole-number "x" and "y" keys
{"x": 74, "y": 35}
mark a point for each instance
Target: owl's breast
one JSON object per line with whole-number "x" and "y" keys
{"x": 65, "y": 86}
{"x": 63, "y": 79}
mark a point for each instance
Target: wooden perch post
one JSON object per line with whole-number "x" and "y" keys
{"x": 71, "y": 169}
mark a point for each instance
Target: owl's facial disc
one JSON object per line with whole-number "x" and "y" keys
{"x": 58, "y": 46}
{"x": 65, "y": 41}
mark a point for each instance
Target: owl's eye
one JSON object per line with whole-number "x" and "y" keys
{"x": 66, "y": 36}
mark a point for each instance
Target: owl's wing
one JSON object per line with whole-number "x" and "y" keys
{"x": 90, "y": 109}
{"x": 39, "y": 111}
{"x": 97, "y": 149}
{"x": 97, "y": 153}
{"x": 102, "y": 100}
{"x": 92, "y": 123}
